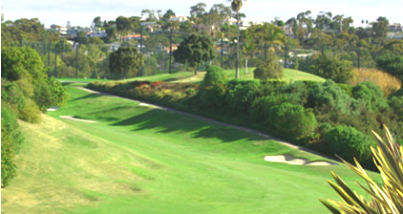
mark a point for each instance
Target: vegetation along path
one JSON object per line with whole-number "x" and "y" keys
{"x": 138, "y": 158}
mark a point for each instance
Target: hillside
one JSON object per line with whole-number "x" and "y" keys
{"x": 140, "y": 159}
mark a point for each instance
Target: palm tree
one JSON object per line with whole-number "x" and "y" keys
{"x": 272, "y": 35}
{"x": 236, "y": 6}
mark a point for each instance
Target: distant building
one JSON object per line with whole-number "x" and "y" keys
{"x": 73, "y": 31}
{"x": 396, "y": 27}
{"x": 135, "y": 37}
{"x": 96, "y": 32}
{"x": 180, "y": 19}
{"x": 59, "y": 29}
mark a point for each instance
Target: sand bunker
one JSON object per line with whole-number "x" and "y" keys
{"x": 77, "y": 119}
{"x": 53, "y": 109}
{"x": 289, "y": 159}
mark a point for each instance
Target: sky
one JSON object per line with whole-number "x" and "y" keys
{"x": 82, "y": 12}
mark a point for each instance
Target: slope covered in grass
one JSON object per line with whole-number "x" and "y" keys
{"x": 289, "y": 75}
{"x": 141, "y": 159}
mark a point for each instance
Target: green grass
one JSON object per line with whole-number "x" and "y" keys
{"x": 138, "y": 159}
{"x": 289, "y": 75}
{"x": 80, "y": 79}
{"x": 164, "y": 77}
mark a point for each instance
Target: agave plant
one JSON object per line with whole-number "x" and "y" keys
{"x": 386, "y": 198}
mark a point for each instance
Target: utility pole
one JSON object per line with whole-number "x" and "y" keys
{"x": 222, "y": 51}
{"x": 170, "y": 51}
{"x": 78, "y": 45}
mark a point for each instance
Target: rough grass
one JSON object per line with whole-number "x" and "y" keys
{"x": 138, "y": 159}
{"x": 388, "y": 83}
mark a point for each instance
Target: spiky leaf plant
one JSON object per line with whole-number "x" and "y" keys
{"x": 384, "y": 199}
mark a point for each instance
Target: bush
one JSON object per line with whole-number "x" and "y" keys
{"x": 292, "y": 120}
{"x": 215, "y": 75}
{"x": 30, "y": 112}
{"x": 11, "y": 139}
{"x": 269, "y": 69}
{"x": 396, "y": 103}
{"x": 348, "y": 142}
{"x": 211, "y": 98}
{"x": 330, "y": 97}
{"x": 392, "y": 64}
{"x": 340, "y": 71}
{"x": 240, "y": 95}
{"x": 12, "y": 95}
{"x": 371, "y": 95}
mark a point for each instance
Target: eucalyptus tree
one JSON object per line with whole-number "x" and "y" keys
{"x": 293, "y": 23}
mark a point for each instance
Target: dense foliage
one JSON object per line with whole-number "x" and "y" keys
{"x": 26, "y": 90}
{"x": 11, "y": 139}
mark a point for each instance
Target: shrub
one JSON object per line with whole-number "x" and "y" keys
{"x": 212, "y": 98}
{"x": 11, "y": 139}
{"x": 340, "y": 71}
{"x": 292, "y": 120}
{"x": 331, "y": 97}
{"x": 371, "y": 95}
{"x": 12, "y": 95}
{"x": 269, "y": 69}
{"x": 240, "y": 95}
{"x": 30, "y": 112}
{"x": 392, "y": 64}
{"x": 215, "y": 75}
{"x": 347, "y": 142}
{"x": 396, "y": 103}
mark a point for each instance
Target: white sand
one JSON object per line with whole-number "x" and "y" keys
{"x": 77, "y": 119}
{"x": 289, "y": 159}
{"x": 52, "y": 109}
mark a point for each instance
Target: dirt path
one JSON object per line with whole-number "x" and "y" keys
{"x": 216, "y": 122}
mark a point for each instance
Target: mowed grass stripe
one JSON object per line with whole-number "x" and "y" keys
{"x": 137, "y": 159}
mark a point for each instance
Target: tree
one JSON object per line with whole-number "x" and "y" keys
{"x": 380, "y": 27}
{"x": 236, "y": 6}
{"x": 323, "y": 20}
{"x": 123, "y": 25}
{"x": 168, "y": 15}
{"x": 150, "y": 14}
{"x": 195, "y": 49}
{"x": 197, "y": 11}
{"x": 271, "y": 35}
{"x": 97, "y": 22}
{"x": 126, "y": 61}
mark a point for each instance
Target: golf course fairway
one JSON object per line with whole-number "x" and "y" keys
{"x": 135, "y": 158}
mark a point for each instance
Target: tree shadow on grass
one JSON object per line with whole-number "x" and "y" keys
{"x": 88, "y": 96}
{"x": 171, "y": 122}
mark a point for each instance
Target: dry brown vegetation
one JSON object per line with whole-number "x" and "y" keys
{"x": 387, "y": 82}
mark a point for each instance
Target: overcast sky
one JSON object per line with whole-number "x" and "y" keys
{"x": 82, "y": 12}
